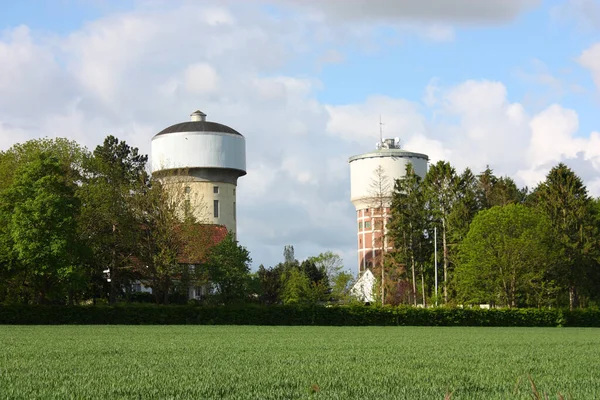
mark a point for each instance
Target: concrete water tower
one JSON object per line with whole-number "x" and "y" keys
{"x": 372, "y": 177}
{"x": 203, "y": 159}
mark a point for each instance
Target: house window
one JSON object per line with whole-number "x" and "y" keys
{"x": 216, "y": 208}
{"x": 360, "y": 226}
{"x": 368, "y": 225}
{"x": 215, "y": 189}
{"x": 188, "y": 189}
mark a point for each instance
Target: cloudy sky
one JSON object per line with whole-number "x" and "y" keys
{"x": 513, "y": 83}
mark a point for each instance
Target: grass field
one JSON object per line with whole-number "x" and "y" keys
{"x": 235, "y": 362}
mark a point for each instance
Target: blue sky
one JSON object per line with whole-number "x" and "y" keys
{"x": 512, "y": 84}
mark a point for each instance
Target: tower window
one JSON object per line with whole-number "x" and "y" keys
{"x": 234, "y": 216}
{"x": 188, "y": 189}
{"x": 234, "y": 191}
{"x": 368, "y": 225}
{"x": 216, "y": 208}
{"x": 215, "y": 189}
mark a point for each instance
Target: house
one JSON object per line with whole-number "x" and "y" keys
{"x": 363, "y": 288}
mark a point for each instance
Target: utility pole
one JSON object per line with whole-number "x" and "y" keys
{"x": 435, "y": 263}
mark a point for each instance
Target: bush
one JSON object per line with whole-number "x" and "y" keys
{"x": 151, "y": 314}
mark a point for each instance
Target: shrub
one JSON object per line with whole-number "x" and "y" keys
{"x": 252, "y": 314}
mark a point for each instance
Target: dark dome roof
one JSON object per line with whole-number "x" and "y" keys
{"x": 198, "y": 126}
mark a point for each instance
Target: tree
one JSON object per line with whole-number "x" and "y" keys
{"x": 493, "y": 191}
{"x": 504, "y": 257}
{"x": 270, "y": 284}
{"x": 39, "y": 212}
{"x": 329, "y": 262}
{"x": 116, "y": 174}
{"x": 338, "y": 280}
{"x": 380, "y": 197}
{"x": 408, "y": 224}
{"x": 563, "y": 198}
{"x": 14, "y": 284}
{"x": 229, "y": 268}
{"x": 441, "y": 184}
{"x": 161, "y": 242}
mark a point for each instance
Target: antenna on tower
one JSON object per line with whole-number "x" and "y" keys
{"x": 380, "y": 129}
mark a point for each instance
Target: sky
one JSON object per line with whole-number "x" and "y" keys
{"x": 513, "y": 84}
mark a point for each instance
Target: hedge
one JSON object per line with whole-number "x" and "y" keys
{"x": 146, "y": 314}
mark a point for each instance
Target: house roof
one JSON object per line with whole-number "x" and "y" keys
{"x": 200, "y": 238}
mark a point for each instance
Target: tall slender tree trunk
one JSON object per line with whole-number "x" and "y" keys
{"x": 444, "y": 244}
{"x": 382, "y": 282}
{"x": 572, "y": 296}
{"x": 423, "y": 287}
{"x": 414, "y": 280}
{"x": 113, "y": 286}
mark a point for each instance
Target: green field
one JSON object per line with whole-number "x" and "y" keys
{"x": 245, "y": 362}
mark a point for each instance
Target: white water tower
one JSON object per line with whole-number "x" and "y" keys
{"x": 371, "y": 219}
{"x": 205, "y": 159}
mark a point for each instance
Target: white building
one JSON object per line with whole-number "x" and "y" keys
{"x": 204, "y": 159}
{"x": 371, "y": 194}
{"x": 363, "y": 288}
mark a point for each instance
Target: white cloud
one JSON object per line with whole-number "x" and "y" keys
{"x": 590, "y": 59}
{"x": 462, "y": 11}
{"x": 201, "y": 78}
{"x": 584, "y": 13}
{"x": 476, "y": 125}
{"x": 360, "y": 122}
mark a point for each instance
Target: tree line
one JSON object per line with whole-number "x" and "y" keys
{"x": 79, "y": 226}
{"x": 498, "y": 244}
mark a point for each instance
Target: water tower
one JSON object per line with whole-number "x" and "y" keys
{"x": 201, "y": 161}
{"x": 372, "y": 177}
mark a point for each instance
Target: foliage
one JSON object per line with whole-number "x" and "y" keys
{"x": 228, "y": 269}
{"x": 38, "y": 212}
{"x": 504, "y": 258}
{"x": 442, "y": 185}
{"x": 564, "y": 199}
{"x": 408, "y": 225}
{"x": 161, "y": 241}
{"x": 109, "y": 222}
{"x": 296, "y": 314}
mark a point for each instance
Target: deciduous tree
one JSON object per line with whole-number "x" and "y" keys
{"x": 504, "y": 257}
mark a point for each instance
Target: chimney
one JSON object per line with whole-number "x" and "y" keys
{"x": 198, "y": 116}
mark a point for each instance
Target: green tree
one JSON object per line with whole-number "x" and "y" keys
{"x": 493, "y": 191}
{"x": 563, "y": 198}
{"x": 329, "y": 262}
{"x": 504, "y": 257}
{"x": 39, "y": 213}
{"x": 408, "y": 224}
{"x": 338, "y": 280}
{"x": 228, "y": 268}
{"x": 465, "y": 207}
{"x": 161, "y": 243}
{"x": 270, "y": 284}
{"x": 441, "y": 184}
{"x": 116, "y": 174}
{"x": 299, "y": 289}
{"x": 14, "y": 285}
